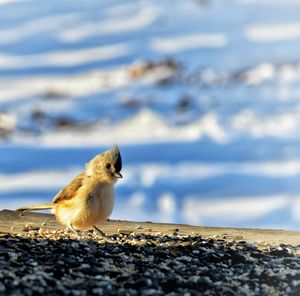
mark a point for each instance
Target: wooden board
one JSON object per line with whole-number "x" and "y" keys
{"x": 14, "y": 222}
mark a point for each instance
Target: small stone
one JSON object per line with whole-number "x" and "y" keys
{"x": 124, "y": 231}
{"x": 98, "y": 291}
{"x": 150, "y": 292}
{"x": 194, "y": 278}
{"x": 33, "y": 263}
{"x": 75, "y": 245}
{"x": 41, "y": 231}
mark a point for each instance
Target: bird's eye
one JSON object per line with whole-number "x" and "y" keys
{"x": 108, "y": 166}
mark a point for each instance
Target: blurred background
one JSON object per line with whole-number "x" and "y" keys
{"x": 202, "y": 96}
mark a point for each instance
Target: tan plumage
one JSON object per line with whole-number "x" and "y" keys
{"x": 89, "y": 198}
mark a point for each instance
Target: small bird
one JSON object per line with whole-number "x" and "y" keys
{"x": 89, "y": 198}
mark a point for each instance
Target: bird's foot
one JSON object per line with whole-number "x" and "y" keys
{"x": 75, "y": 231}
{"x": 99, "y": 231}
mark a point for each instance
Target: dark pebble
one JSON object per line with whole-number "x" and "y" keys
{"x": 149, "y": 265}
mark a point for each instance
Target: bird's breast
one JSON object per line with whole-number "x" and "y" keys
{"x": 89, "y": 208}
{"x": 100, "y": 202}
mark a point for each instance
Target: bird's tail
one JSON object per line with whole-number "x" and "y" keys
{"x": 37, "y": 207}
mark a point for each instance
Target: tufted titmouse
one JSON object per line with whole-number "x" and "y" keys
{"x": 89, "y": 198}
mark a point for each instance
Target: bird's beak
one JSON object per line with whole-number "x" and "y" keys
{"x": 117, "y": 175}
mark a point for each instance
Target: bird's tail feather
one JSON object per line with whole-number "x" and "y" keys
{"x": 37, "y": 207}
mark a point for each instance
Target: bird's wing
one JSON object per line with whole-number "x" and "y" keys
{"x": 70, "y": 190}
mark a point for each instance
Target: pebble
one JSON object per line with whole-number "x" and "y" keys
{"x": 38, "y": 261}
{"x": 124, "y": 231}
{"x": 149, "y": 292}
{"x": 194, "y": 278}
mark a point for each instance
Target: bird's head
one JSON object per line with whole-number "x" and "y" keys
{"x": 107, "y": 165}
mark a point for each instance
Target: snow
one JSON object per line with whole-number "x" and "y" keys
{"x": 41, "y": 25}
{"x": 65, "y": 58}
{"x": 176, "y": 44}
{"x": 3, "y": 2}
{"x": 229, "y": 211}
{"x": 142, "y": 18}
{"x": 272, "y": 33}
{"x": 202, "y": 97}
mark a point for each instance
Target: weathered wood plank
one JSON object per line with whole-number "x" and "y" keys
{"x": 14, "y": 222}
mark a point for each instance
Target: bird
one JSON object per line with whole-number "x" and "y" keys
{"x": 89, "y": 198}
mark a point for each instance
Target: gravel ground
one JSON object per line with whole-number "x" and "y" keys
{"x": 56, "y": 263}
